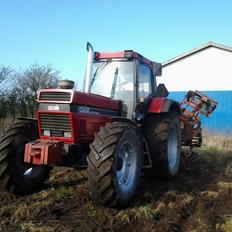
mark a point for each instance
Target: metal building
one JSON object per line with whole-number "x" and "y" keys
{"x": 207, "y": 68}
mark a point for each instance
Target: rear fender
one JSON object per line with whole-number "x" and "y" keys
{"x": 164, "y": 105}
{"x": 125, "y": 120}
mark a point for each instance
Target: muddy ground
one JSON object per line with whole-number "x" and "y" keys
{"x": 198, "y": 200}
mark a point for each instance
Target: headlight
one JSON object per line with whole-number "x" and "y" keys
{"x": 67, "y": 134}
{"x": 46, "y": 132}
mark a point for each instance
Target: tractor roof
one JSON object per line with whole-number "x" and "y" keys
{"x": 128, "y": 54}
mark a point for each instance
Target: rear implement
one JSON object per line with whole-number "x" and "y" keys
{"x": 194, "y": 104}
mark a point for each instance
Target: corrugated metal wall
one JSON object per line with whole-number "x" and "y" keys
{"x": 220, "y": 122}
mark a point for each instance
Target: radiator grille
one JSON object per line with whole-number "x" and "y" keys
{"x": 55, "y": 96}
{"x": 56, "y": 123}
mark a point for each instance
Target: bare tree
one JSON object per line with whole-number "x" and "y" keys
{"x": 30, "y": 81}
{"x": 41, "y": 77}
{"x": 18, "y": 89}
{"x": 5, "y": 74}
{"x": 12, "y": 102}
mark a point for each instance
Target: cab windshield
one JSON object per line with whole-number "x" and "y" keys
{"x": 114, "y": 79}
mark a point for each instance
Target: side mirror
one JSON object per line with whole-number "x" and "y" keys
{"x": 157, "y": 69}
{"x": 162, "y": 91}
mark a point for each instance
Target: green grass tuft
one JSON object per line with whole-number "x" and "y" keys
{"x": 31, "y": 227}
{"x": 6, "y": 211}
{"x": 217, "y": 143}
{"x": 228, "y": 170}
{"x": 226, "y": 226}
{"x": 144, "y": 213}
{"x": 62, "y": 194}
{"x": 225, "y": 187}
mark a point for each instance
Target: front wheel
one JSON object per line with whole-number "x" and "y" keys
{"x": 15, "y": 175}
{"x": 114, "y": 165}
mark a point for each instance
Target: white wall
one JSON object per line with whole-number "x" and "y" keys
{"x": 209, "y": 69}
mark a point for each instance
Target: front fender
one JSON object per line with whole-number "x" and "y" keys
{"x": 27, "y": 119}
{"x": 125, "y": 120}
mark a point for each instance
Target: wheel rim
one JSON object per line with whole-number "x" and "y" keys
{"x": 126, "y": 165}
{"x": 172, "y": 148}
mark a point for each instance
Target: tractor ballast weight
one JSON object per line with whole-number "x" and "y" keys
{"x": 122, "y": 124}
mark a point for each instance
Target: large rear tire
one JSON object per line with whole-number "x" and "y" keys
{"x": 114, "y": 165}
{"x": 15, "y": 175}
{"x": 163, "y": 136}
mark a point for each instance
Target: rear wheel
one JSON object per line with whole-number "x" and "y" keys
{"x": 15, "y": 175}
{"x": 163, "y": 136}
{"x": 114, "y": 164}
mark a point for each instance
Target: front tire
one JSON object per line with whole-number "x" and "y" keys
{"x": 15, "y": 175}
{"x": 163, "y": 136}
{"x": 114, "y": 165}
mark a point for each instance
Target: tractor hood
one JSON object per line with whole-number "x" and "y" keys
{"x": 68, "y": 96}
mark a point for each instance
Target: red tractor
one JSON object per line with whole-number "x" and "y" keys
{"x": 120, "y": 125}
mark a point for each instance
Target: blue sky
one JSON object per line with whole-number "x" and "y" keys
{"x": 56, "y": 31}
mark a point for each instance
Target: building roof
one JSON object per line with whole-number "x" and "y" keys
{"x": 195, "y": 50}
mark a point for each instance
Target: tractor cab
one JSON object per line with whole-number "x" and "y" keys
{"x": 125, "y": 76}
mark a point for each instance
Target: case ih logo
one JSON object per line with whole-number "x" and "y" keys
{"x": 83, "y": 109}
{"x": 87, "y": 110}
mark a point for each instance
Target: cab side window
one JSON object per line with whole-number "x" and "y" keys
{"x": 144, "y": 81}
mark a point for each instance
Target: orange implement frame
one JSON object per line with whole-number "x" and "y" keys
{"x": 44, "y": 152}
{"x": 194, "y": 103}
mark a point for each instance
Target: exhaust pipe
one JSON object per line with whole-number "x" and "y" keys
{"x": 89, "y": 67}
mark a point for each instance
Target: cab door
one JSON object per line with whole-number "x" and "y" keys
{"x": 145, "y": 82}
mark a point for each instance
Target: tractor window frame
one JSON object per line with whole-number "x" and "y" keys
{"x": 133, "y": 73}
{"x": 152, "y": 80}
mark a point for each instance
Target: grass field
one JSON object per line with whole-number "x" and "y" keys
{"x": 198, "y": 200}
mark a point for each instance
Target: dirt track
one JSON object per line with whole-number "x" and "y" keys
{"x": 198, "y": 200}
